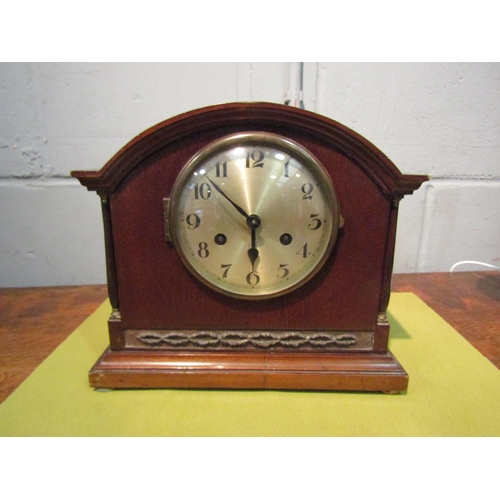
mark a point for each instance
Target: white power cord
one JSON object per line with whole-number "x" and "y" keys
{"x": 473, "y": 262}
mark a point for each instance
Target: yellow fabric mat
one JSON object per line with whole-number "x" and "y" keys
{"x": 453, "y": 391}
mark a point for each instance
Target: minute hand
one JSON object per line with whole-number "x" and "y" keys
{"x": 219, "y": 190}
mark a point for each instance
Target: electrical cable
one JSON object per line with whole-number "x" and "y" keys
{"x": 475, "y": 262}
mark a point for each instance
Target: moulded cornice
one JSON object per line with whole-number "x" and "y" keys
{"x": 253, "y": 116}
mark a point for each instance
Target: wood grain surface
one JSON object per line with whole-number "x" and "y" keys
{"x": 469, "y": 301}
{"x": 34, "y": 321}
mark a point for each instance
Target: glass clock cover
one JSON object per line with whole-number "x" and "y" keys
{"x": 254, "y": 215}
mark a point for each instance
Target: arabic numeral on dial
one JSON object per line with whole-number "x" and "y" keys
{"x": 303, "y": 252}
{"x": 287, "y": 170}
{"x": 226, "y": 269}
{"x": 203, "y": 250}
{"x": 221, "y": 169}
{"x": 193, "y": 221}
{"x": 283, "y": 272}
{"x": 255, "y": 159}
{"x": 253, "y": 278}
{"x": 314, "y": 223}
{"x": 202, "y": 191}
{"x": 307, "y": 189}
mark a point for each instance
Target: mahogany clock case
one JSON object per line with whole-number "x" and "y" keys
{"x": 152, "y": 292}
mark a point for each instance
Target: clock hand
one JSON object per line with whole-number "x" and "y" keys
{"x": 219, "y": 190}
{"x": 253, "y": 222}
{"x": 253, "y": 253}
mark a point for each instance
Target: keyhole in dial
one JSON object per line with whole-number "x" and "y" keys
{"x": 285, "y": 239}
{"x": 220, "y": 239}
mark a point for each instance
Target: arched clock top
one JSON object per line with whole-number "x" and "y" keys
{"x": 253, "y": 117}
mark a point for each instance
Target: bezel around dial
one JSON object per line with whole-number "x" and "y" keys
{"x": 242, "y": 194}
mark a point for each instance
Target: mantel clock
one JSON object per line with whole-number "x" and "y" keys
{"x": 249, "y": 245}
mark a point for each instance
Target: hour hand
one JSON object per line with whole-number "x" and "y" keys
{"x": 253, "y": 222}
{"x": 253, "y": 253}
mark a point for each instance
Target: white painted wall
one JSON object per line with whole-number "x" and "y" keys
{"x": 437, "y": 119}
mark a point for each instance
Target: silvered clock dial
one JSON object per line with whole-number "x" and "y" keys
{"x": 253, "y": 215}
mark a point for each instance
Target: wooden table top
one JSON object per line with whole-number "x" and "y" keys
{"x": 34, "y": 321}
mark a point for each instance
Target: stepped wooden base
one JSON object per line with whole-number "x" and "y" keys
{"x": 248, "y": 370}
